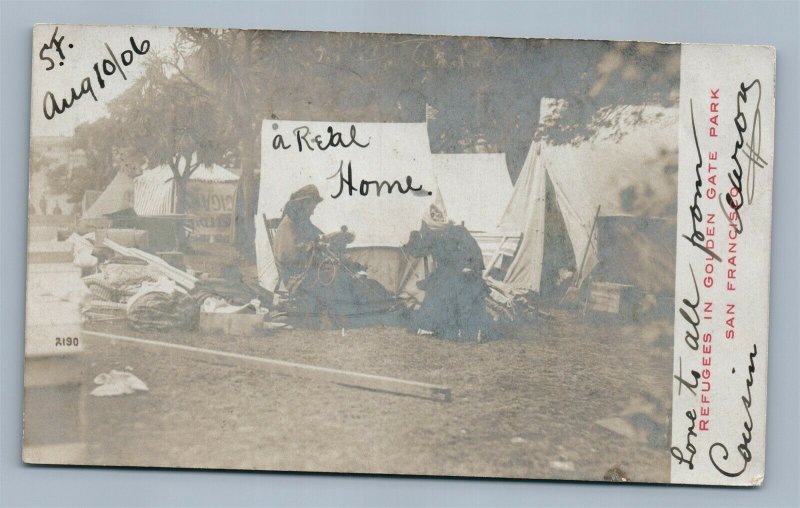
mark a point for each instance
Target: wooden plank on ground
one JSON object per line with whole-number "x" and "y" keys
{"x": 342, "y": 377}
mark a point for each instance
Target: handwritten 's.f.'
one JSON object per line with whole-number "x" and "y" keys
{"x": 53, "y": 44}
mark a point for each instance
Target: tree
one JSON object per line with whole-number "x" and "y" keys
{"x": 169, "y": 121}
{"x": 104, "y": 155}
{"x": 39, "y": 160}
{"x": 487, "y": 90}
{"x": 59, "y": 180}
{"x": 226, "y": 66}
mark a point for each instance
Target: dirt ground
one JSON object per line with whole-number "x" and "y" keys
{"x": 522, "y": 406}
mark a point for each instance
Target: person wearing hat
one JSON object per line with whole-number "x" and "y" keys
{"x": 296, "y": 237}
{"x": 314, "y": 268}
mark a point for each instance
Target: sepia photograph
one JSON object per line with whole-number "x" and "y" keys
{"x": 370, "y": 253}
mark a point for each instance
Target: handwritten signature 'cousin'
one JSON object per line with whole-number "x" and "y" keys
{"x": 747, "y": 435}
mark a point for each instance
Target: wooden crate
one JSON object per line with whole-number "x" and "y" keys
{"x": 137, "y": 238}
{"x": 609, "y": 297}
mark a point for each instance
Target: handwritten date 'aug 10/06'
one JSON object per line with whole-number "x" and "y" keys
{"x": 104, "y": 68}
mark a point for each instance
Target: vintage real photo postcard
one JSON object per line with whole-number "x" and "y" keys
{"x": 398, "y": 254}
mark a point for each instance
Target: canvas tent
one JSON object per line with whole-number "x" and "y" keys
{"x": 475, "y": 187}
{"x": 89, "y": 197}
{"x": 118, "y": 195}
{"x": 154, "y": 190}
{"x": 210, "y": 199}
{"x": 381, "y": 223}
{"x": 639, "y": 251}
{"x": 627, "y": 167}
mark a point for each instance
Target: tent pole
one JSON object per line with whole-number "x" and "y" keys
{"x": 571, "y": 293}
{"x": 586, "y": 250}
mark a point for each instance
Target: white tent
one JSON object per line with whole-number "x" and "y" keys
{"x": 626, "y": 167}
{"x": 118, "y": 195}
{"x": 154, "y": 190}
{"x": 475, "y": 187}
{"x": 381, "y": 221}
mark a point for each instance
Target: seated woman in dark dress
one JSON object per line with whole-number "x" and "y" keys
{"x": 315, "y": 270}
{"x": 454, "y": 304}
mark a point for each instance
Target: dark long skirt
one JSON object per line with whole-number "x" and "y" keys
{"x": 454, "y": 306}
{"x": 348, "y": 300}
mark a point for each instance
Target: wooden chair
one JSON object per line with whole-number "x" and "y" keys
{"x": 295, "y": 305}
{"x": 271, "y": 226}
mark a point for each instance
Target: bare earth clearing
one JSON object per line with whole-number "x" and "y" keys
{"x": 523, "y": 406}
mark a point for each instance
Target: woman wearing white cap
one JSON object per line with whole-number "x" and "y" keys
{"x": 455, "y": 292}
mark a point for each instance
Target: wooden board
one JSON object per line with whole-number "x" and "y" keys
{"x": 179, "y": 276}
{"x": 342, "y": 377}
